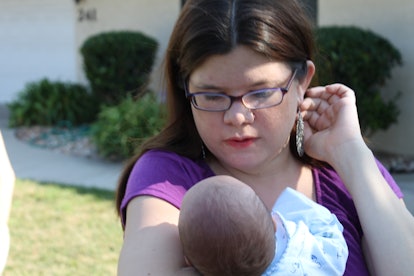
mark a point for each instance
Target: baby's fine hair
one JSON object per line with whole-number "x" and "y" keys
{"x": 226, "y": 229}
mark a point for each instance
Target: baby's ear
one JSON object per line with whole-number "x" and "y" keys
{"x": 274, "y": 223}
{"x": 187, "y": 261}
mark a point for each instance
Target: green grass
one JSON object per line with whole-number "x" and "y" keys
{"x": 62, "y": 230}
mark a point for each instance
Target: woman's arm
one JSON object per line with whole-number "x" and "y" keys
{"x": 333, "y": 135}
{"x": 387, "y": 224}
{"x": 151, "y": 242}
{"x": 7, "y": 179}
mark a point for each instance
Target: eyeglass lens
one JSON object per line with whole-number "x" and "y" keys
{"x": 262, "y": 98}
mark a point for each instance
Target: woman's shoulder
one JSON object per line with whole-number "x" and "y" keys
{"x": 165, "y": 175}
{"x": 158, "y": 172}
{"x": 161, "y": 160}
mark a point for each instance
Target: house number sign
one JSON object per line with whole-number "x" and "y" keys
{"x": 87, "y": 15}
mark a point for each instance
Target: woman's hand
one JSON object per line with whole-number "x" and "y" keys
{"x": 331, "y": 120}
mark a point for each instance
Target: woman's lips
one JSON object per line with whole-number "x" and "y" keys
{"x": 240, "y": 143}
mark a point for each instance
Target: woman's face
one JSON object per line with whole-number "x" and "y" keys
{"x": 243, "y": 139}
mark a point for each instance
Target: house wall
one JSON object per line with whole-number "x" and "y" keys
{"x": 155, "y": 18}
{"x": 392, "y": 20}
{"x": 37, "y": 40}
{"x": 41, "y": 38}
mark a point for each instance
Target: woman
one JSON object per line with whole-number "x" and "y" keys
{"x": 237, "y": 77}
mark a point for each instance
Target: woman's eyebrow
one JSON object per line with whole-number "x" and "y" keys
{"x": 251, "y": 86}
{"x": 207, "y": 86}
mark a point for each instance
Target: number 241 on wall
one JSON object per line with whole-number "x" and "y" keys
{"x": 87, "y": 15}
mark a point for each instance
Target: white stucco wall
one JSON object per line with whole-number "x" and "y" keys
{"x": 155, "y": 18}
{"x": 41, "y": 38}
{"x": 392, "y": 20}
{"x": 37, "y": 40}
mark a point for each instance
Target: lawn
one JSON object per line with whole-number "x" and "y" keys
{"x": 62, "y": 230}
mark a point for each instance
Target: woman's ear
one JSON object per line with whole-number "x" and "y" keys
{"x": 305, "y": 81}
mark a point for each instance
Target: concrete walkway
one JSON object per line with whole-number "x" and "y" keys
{"x": 39, "y": 164}
{"x": 45, "y": 165}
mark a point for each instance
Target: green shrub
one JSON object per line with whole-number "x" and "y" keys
{"x": 363, "y": 61}
{"x": 120, "y": 129}
{"x": 51, "y": 103}
{"x": 118, "y": 63}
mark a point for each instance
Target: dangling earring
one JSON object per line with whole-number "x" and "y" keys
{"x": 203, "y": 152}
{"x": 299, "y": 134}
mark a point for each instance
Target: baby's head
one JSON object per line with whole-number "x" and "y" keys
{"x": 225, "y": 228}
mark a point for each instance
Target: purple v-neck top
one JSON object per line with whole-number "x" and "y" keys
{"x": 168, "y": 176}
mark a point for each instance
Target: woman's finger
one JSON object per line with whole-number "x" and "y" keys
{"x": 314, "y": 104}
{"x": 319, "y": 121}
{"x": 331, "y": 93}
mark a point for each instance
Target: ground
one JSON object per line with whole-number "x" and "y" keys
{"x": 73, "y": 141}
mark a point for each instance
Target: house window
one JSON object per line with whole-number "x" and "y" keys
{"x": 310, "y": 5}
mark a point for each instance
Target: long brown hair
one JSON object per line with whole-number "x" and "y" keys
{"x": 277, "y": 29}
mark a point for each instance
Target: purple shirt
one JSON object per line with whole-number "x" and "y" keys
{"x": 168, "y": 176}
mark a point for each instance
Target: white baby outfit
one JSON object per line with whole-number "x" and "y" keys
{"x": 309, "y": 239}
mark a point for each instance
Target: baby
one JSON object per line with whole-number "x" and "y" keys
{"x": 225, "y": 229}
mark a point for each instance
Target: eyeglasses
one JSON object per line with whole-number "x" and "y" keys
{"x": 257, "y": 99}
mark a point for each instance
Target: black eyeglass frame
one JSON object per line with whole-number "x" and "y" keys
{"x": 284, "y": 90}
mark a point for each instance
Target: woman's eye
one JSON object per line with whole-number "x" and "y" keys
{"x": 263, "y": 94}
{"x": 213, "y": 98}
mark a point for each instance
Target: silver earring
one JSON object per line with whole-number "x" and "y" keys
{"x": 299, "y": 135}
{"x": 203, "y": 152}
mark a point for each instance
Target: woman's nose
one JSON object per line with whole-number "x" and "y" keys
{"x": 238, "y": 114}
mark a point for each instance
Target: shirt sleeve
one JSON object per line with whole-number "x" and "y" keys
{"x": 164, "y": 175}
